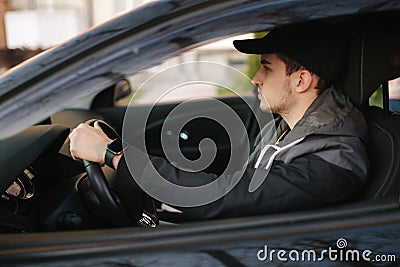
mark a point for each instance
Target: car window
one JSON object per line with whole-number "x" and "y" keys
{"x": 201, "y": 64}
{"x": 394, "y": 95}
{"x": 377, "y": 97}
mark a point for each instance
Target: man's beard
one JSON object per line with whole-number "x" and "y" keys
{"x": 284, "y": 104}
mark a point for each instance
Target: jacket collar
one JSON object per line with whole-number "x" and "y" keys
{"x": 329, "y": 106}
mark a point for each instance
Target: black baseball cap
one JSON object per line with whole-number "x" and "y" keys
{"x": 314, "y": 45}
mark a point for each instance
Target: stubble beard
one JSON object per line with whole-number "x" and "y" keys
{"x": 282, "y": 108}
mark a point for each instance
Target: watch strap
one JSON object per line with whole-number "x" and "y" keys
{"x": 112, "y": 149}
{"x": 108, "y": 158}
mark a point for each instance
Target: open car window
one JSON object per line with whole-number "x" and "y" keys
{"x": 198, "y": 64}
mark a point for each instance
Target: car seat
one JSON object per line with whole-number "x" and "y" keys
{"x": 374, "y": 58}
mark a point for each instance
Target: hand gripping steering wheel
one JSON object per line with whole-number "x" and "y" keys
{"x": 113, "y": 209}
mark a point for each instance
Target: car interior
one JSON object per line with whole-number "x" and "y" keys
{"x": 374, "y": 59}
{"x": 44, "y": 189}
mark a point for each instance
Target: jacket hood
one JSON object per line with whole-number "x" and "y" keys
{"x": 332, "y": 113}
{"x": 332, "y": 129}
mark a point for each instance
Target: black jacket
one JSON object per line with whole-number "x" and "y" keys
{"x": 321, "y": 161}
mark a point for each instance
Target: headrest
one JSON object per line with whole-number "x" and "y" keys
{"x": 374, "y": 56}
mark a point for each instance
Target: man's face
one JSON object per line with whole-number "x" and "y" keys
{"x": 273, "y": 84}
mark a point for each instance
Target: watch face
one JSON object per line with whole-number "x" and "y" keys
{"x": 115, "y": 146}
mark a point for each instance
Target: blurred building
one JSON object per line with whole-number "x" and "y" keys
{"x": 41, "y": 24}
{"x": 44, "y": 23}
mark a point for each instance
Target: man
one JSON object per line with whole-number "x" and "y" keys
{"x": 317, "y": 158}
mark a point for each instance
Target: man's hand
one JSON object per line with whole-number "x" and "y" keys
{"x": 89, "y": 143}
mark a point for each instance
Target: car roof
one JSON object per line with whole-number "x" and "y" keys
{"x": 141, "y": 38}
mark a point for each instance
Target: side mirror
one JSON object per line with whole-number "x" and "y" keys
{"x": 122, "y": 89}
{"x": 112, "y": 94}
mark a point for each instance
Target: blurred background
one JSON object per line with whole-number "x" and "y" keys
{"x": 28, "y": 27}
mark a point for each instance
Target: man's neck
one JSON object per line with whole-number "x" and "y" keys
{"x": 298, "y": 110}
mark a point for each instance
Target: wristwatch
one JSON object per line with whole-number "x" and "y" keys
{"x": 113, "y": 149}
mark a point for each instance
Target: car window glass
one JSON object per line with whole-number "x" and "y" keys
{"x": 376, "y": 98}
{"x": 394, "y": 95}
{"x": 217, "y": 58}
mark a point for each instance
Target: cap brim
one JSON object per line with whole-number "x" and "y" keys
{"x": 250, "y": 46}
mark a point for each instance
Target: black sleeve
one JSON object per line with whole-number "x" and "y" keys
{"x": 307, "y": 182}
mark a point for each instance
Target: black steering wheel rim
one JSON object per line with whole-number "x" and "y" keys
{"x": 113, "y": 210}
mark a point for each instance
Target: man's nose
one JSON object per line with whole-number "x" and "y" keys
{"x": 256, "y": 79}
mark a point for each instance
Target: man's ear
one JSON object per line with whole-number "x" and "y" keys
{"x": 303, "y": 81}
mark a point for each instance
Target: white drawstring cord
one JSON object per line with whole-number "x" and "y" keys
{"x": 278, "y": 150}
{"x": 257, "y": 179}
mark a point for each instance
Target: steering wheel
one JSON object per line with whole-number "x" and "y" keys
{"x": 113, "y": 209}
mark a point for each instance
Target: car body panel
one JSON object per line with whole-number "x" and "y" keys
{"x": 162, "y": 245}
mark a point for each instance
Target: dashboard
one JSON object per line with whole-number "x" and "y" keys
{"x": 33, "y": 178}
{"x": 22, "y": 187}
